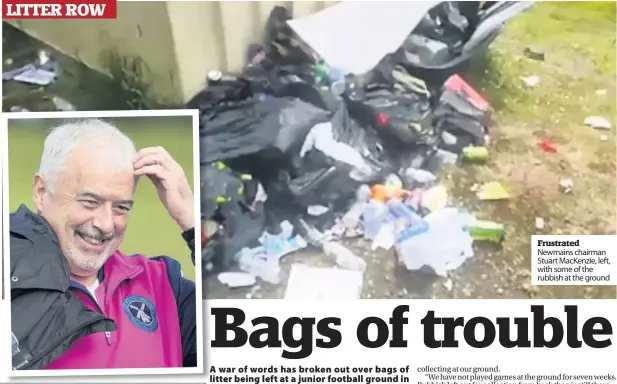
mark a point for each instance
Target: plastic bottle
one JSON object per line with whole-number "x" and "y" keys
{"x": 481, "y": 153}
{"x": 374, "y": 215}
{"x": 482, "y": 230}
{"x": 393, "y": 181}
{"x": 336, "y": 74}
{"x": 363, "y": 194}
{"x": 344, "y": 257}
{"x": 448, "y": 138}
{"x": 310, "y": 233}
{"x": 216, "y": 76}
{"x": 62, "y": 104}
{"x": 419, "y": 176}
{"x": 322, "y": 73}
{"x": 352, "y": 218}
{"x": 400, "y": 210}
{"x": 338, "y": 87}
{"x": 17, "y": 108}
{"x": 447, "y": 157}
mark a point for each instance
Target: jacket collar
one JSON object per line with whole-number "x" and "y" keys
{"x": 28, "y": 224}
{"x": 118, "y": 268}
{"x": 40, "y": 265}
{"x": 35, "y": 228}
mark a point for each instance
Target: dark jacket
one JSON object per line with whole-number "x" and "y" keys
{"x": 47, "y": 316}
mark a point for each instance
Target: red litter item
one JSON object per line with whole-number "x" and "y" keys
{"x": 382, "y": 119}
{"x": 547, "y": 145}
{"x": 456, "y": 84}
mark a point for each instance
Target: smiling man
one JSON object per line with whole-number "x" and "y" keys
{"x": 77, "y": 301}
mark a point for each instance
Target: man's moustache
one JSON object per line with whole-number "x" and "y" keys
{"x": 95, "y": 233}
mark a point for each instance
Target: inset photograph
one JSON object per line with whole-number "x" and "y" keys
{"x": 102, "y": 219}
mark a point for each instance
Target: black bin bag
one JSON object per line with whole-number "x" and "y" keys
{"x": 322, "y": 178}
{"x": 452, "y": 34}
{"x": 281, "y": 43}
{"x": 227, "y": 200}
{"x": 396, "y": 105}
{"x": 256, "y": 135}
{"x": 456, "y": 114}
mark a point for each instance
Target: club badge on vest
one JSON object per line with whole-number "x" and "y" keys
{"x": 141, "y": 312}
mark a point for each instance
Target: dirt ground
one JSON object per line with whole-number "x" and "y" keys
{"x": 577, "y": 79}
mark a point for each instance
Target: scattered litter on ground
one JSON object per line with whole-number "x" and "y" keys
{"x": 385, "y": 238}
{"x": 237, "y": 279}
{"x": 317, "y": 210}
{"x": 547, "y": 145}
{"x": 420, "y": 245}
{"x": 490, "y": 231}
{"x": 343, "y": 257}
{"x": 306, "y": 282}
{"x": 493, "y": 191}
{"x": 348, "y": 146}
{"x": 17, "y": 108}
{"x": 30, "y": 74}
{"x": 434, "y": 198}
{"x": 603, "y": 138}
{"x": 263, "y": 261}
{"x": 598, "y": 122}
{"x": 475, "y": 153}
{"x": 601, "y": 92}
{"x": 540, "y": 223}
{"x": 566, "y": 185}
{"x": 62, "y": 104}
{"x": 448, "y": 285}
{"x": 419, "y": 176}
{"x": 43, "y": 71}
{"x": 533, "y": 54}
{"x": 531, "y": 81}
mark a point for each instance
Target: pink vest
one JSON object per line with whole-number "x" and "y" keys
{"x": 137, "y": 295}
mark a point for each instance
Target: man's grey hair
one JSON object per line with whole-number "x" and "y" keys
{"x": 109, "y": 141}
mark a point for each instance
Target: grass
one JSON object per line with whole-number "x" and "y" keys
{"x": 578, "y": 40}
{"x": 151, "y": 231}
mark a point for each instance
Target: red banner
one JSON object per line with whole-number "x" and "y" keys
{"x": 76, "y": 9}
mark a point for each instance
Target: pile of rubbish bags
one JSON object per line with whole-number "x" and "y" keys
{"x": 297, "y": 154}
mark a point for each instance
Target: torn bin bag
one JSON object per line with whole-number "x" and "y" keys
{"x": 257, "y": 133}
{"x": 219, "y": 185}
{"x": 218, "y": 94}
{"x": 396, "y": 105}
{"x": 456, "y": 114}
{"x": 335, "y": 158}
{"x": 226, "y": 199}
{"x": 282, "y": 44}
{"x": 453, "y": 34}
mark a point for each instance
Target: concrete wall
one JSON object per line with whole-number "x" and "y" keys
{"x": 178, "y": 40}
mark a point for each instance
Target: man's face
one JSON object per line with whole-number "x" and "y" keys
{"x": 88, "y": 208}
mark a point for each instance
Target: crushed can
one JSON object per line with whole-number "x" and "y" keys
{"x": 482, "y": 230}
{"x": 475, "y": 153}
